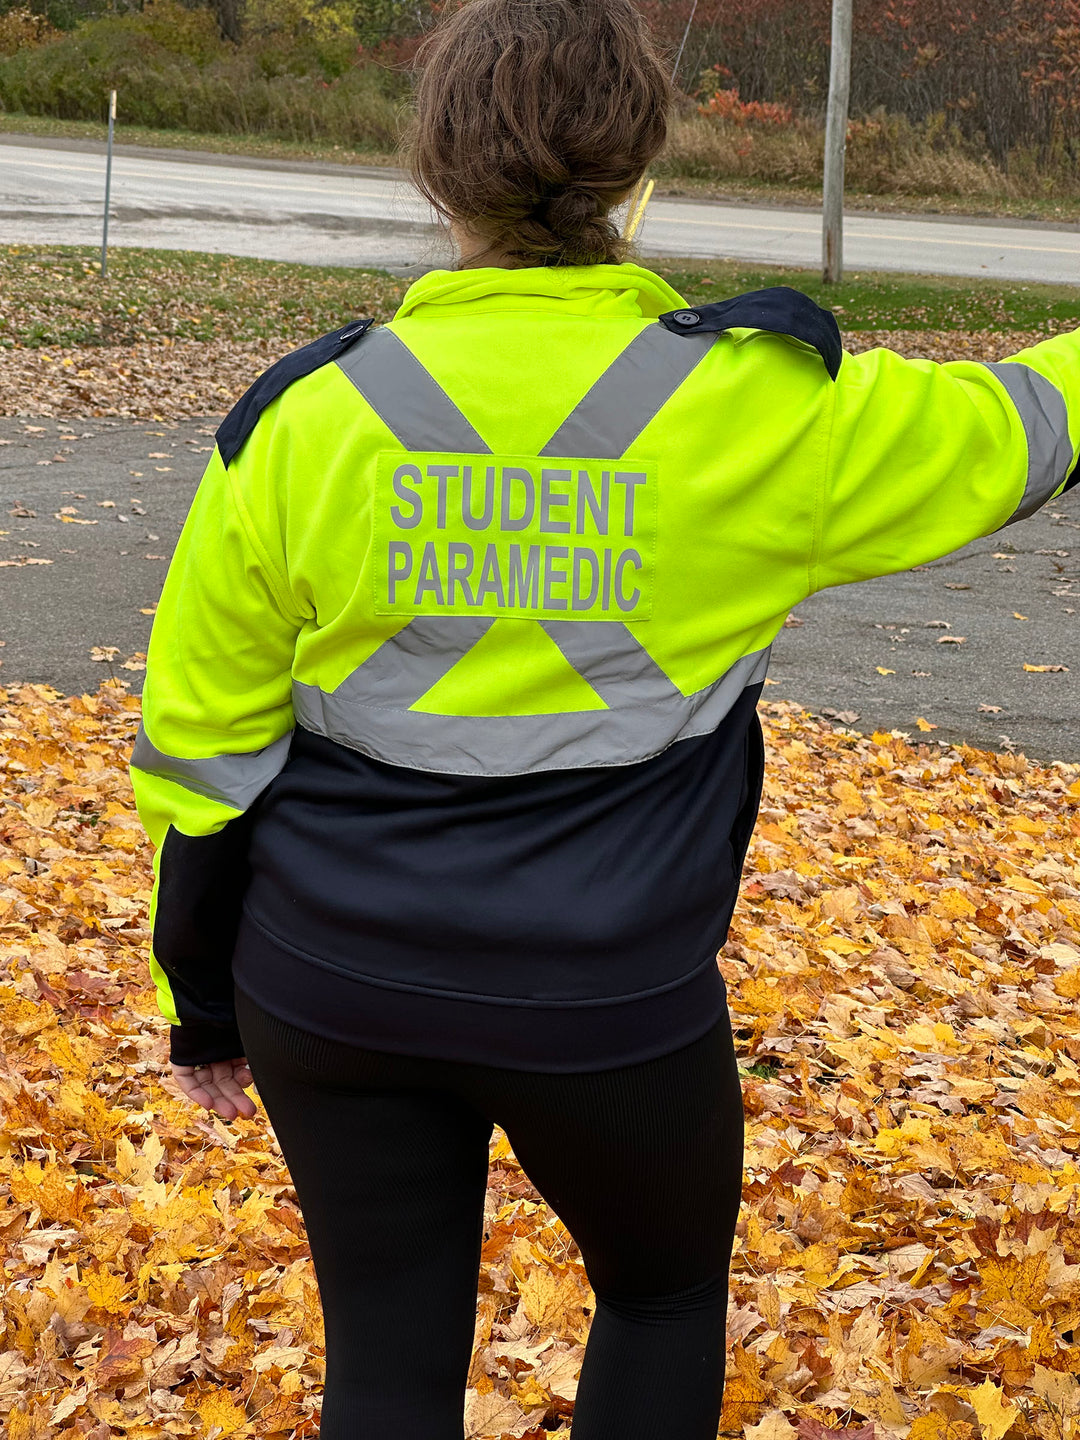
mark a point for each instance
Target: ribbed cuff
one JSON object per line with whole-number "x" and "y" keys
{"x": 200, "y": 1043}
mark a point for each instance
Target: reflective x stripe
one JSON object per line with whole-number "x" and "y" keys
{"x": 1043, "y": 411}
{"x": 616, "y": 665}
{"x": 628, "y": 395}
{"x": 233, "y": 780}
{"x": 406, "y": 397}
{"x": 408, "y": 664}
{"x": 370, "y": 710}
{"x": 523, "y": 744}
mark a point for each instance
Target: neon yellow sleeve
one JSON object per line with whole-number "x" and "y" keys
{"x": 925, "y": 457}
{"x": 216, "y": 722}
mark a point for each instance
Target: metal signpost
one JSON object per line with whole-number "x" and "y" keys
{"x": 108, "y": 185}
{"x": 835, "y": 143}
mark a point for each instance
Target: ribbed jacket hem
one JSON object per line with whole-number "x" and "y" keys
{"x": 557, "y": 1038}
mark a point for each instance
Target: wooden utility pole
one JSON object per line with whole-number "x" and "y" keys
{"x": 836, "y": 142}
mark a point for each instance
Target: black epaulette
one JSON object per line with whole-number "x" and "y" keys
{"x": 242, "y": 418}
{"x": 780, "y": 310}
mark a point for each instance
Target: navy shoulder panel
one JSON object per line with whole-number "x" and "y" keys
{"x": 779, "y": 309}
{"x": 242, "y": 418}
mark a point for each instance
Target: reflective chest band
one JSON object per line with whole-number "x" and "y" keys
{"x": 514, "y": 536}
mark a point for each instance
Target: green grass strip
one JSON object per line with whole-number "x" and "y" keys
{"x": 54, "y": 295}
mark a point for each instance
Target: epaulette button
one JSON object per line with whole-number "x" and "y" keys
{"x": 686, "y": 317}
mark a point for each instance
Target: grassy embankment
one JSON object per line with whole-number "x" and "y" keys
{"x": 54, "y": 296}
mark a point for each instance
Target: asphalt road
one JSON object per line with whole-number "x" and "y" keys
{"x": 283, "y": 210}
{"x": 133, "y": 482}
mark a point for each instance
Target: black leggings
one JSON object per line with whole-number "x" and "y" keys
{"x": 388, "y": 1155}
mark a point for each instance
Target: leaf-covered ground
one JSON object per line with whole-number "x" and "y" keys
{"x": 903, "y": 973}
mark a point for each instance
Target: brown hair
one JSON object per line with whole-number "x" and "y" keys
{"x": 534, "y": 118}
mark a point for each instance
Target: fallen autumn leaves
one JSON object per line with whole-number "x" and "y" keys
{"x": 903, "y": 973}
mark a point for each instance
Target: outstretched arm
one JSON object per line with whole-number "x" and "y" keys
{"x": 925, "y": 457}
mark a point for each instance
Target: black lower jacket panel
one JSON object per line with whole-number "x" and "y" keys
{"x": 562, "y": 920}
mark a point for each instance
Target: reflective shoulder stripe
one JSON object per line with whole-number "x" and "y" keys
{"x": 1042, "y": 409}
{"x": 233, "y": 780}
{"x": 637, "y": 384}
{"x": 407, "y": 397}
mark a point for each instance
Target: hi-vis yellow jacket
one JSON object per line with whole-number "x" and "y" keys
{"x": 545, "y": 519}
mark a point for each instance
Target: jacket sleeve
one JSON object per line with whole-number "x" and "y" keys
{"x": 216, "y": 726}
{"x": 925, "y": 457}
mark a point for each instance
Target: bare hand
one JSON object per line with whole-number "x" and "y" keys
{"x": 218, "y": 1087}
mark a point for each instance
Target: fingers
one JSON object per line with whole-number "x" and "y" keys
{"x": 230, "y": 1092}
{"x": 222, "y": 1093}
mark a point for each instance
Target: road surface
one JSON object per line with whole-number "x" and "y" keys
{"x": 284, "y": 210}
{"x": 1014, "y": 597}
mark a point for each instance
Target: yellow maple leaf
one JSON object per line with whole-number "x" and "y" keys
{"x": 493, "y": 1414}
{"x": 106, "y": 1290}
{"x": 745, "y": 1392}
{"x": 774, "y": 1425}
{"x": 220, "y": 1414}
{"x": 996, "y": 1414}
{"x": 892, "y": 1141}
{"x": 549, "y": 1299}
{"x": 933, "y": 1426}
{"x": 922, "y": 724}
{"x": 1013, "y": 1290}
{"x": 882, "y": 671}
{"x": 1059, "y": 1390}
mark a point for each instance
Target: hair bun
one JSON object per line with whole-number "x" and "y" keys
{"x": 572, "y": 210}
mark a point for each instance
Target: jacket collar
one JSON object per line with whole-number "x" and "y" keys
{"x": 605, "y": 290}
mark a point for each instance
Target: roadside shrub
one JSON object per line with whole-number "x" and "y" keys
{"x": 22, "y": 29}
{"x": 172, "y": 71}
{"x": 886, "y": 154}
{"x": 726, "y": 105}
{"x": 718, "y": 148}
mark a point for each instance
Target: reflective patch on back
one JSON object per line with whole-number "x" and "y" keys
{"x": 524, "y": 537}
